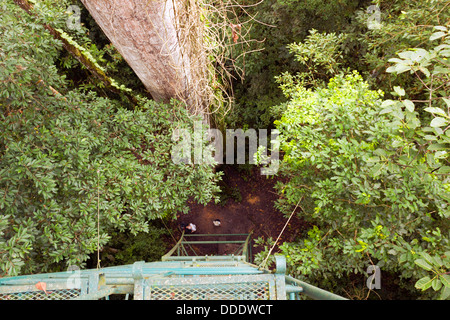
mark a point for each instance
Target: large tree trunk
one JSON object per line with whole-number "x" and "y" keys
{"x": 145, "y": 32}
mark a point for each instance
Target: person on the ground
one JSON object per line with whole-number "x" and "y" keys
{"x": 191, "y": 228}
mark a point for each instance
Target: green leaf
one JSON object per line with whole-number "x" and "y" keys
{"x": 425, "y": 71}
{"x": 440, "y": 70}
{"x": 396, "y": 60}
{"x": 423, "y": 283}
{"x": 391, "y": 69}
{"x": 447, "y": 101}
{"x": 435, "y": 110}
{"x": 437, "y": 147}
{"x": 445, "y": 293}
{"x": 403, "y": 258}
{"x": 430, "y": 137}
{"x": 380, "y": 152}
{"x": 444, "y": 170}
{"x": 441, "y": 28}
{"x": 405, "y": 54}
{"x": 398, "y": 114}
{"x": 400, "y": 68}
{"x": 387, "y": 103}
{"x": 386, "y": 110}
{"x": 393, "y": 252}
{"x": 423, "y": 264}
{"x": 436, "y": 284}
{"x": 409, "y": 105}
{"x": 400, "y": 91}
{"x": 427, "y": 257}
{"x": 437, "y": 35}
{"x": 438, "y": 122}
{"x": 376, "y": 170}
{"x": 445, "y": 278}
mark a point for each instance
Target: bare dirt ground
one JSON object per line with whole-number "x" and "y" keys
{"x": 250, "y": 209}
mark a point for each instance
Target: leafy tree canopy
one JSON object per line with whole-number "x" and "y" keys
{"x": 371, "y": 166}
{"x": 75, "y": 166}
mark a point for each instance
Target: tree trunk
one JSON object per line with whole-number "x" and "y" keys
{"x": 145, "y": 32}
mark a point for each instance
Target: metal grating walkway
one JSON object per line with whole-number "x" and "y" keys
{"x": 176, "y": 277}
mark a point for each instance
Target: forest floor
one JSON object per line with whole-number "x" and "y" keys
{"x": 247, "y": 205}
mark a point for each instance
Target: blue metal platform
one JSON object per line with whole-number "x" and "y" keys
{"x": 175, "y": 277}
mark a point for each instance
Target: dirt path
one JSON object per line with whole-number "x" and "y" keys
{"x": 250, "y": 208}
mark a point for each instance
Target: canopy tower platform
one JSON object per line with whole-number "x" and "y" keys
{"x": 181, "y": 274}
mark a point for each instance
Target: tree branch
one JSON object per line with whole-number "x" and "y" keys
{"x": 80, "y": 56}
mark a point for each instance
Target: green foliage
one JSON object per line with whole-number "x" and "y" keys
{"x": 431, "y": 69}
{"x": 265, "y": 244}
{"x": 81, "y": 31}
{"x": 433, "y": 72}
{"x": 69, "y": 157}
{"x": 321, "y": 54}
{"x": 371, "y": 165}
{"x": 405, "y": 25}
{"x": 369, "y": 184}
{"x": 440, "y": 273}
{"x": 279, "y": 23}
{"x": 373, "y": 173}
{"x": 125, "y": 248}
